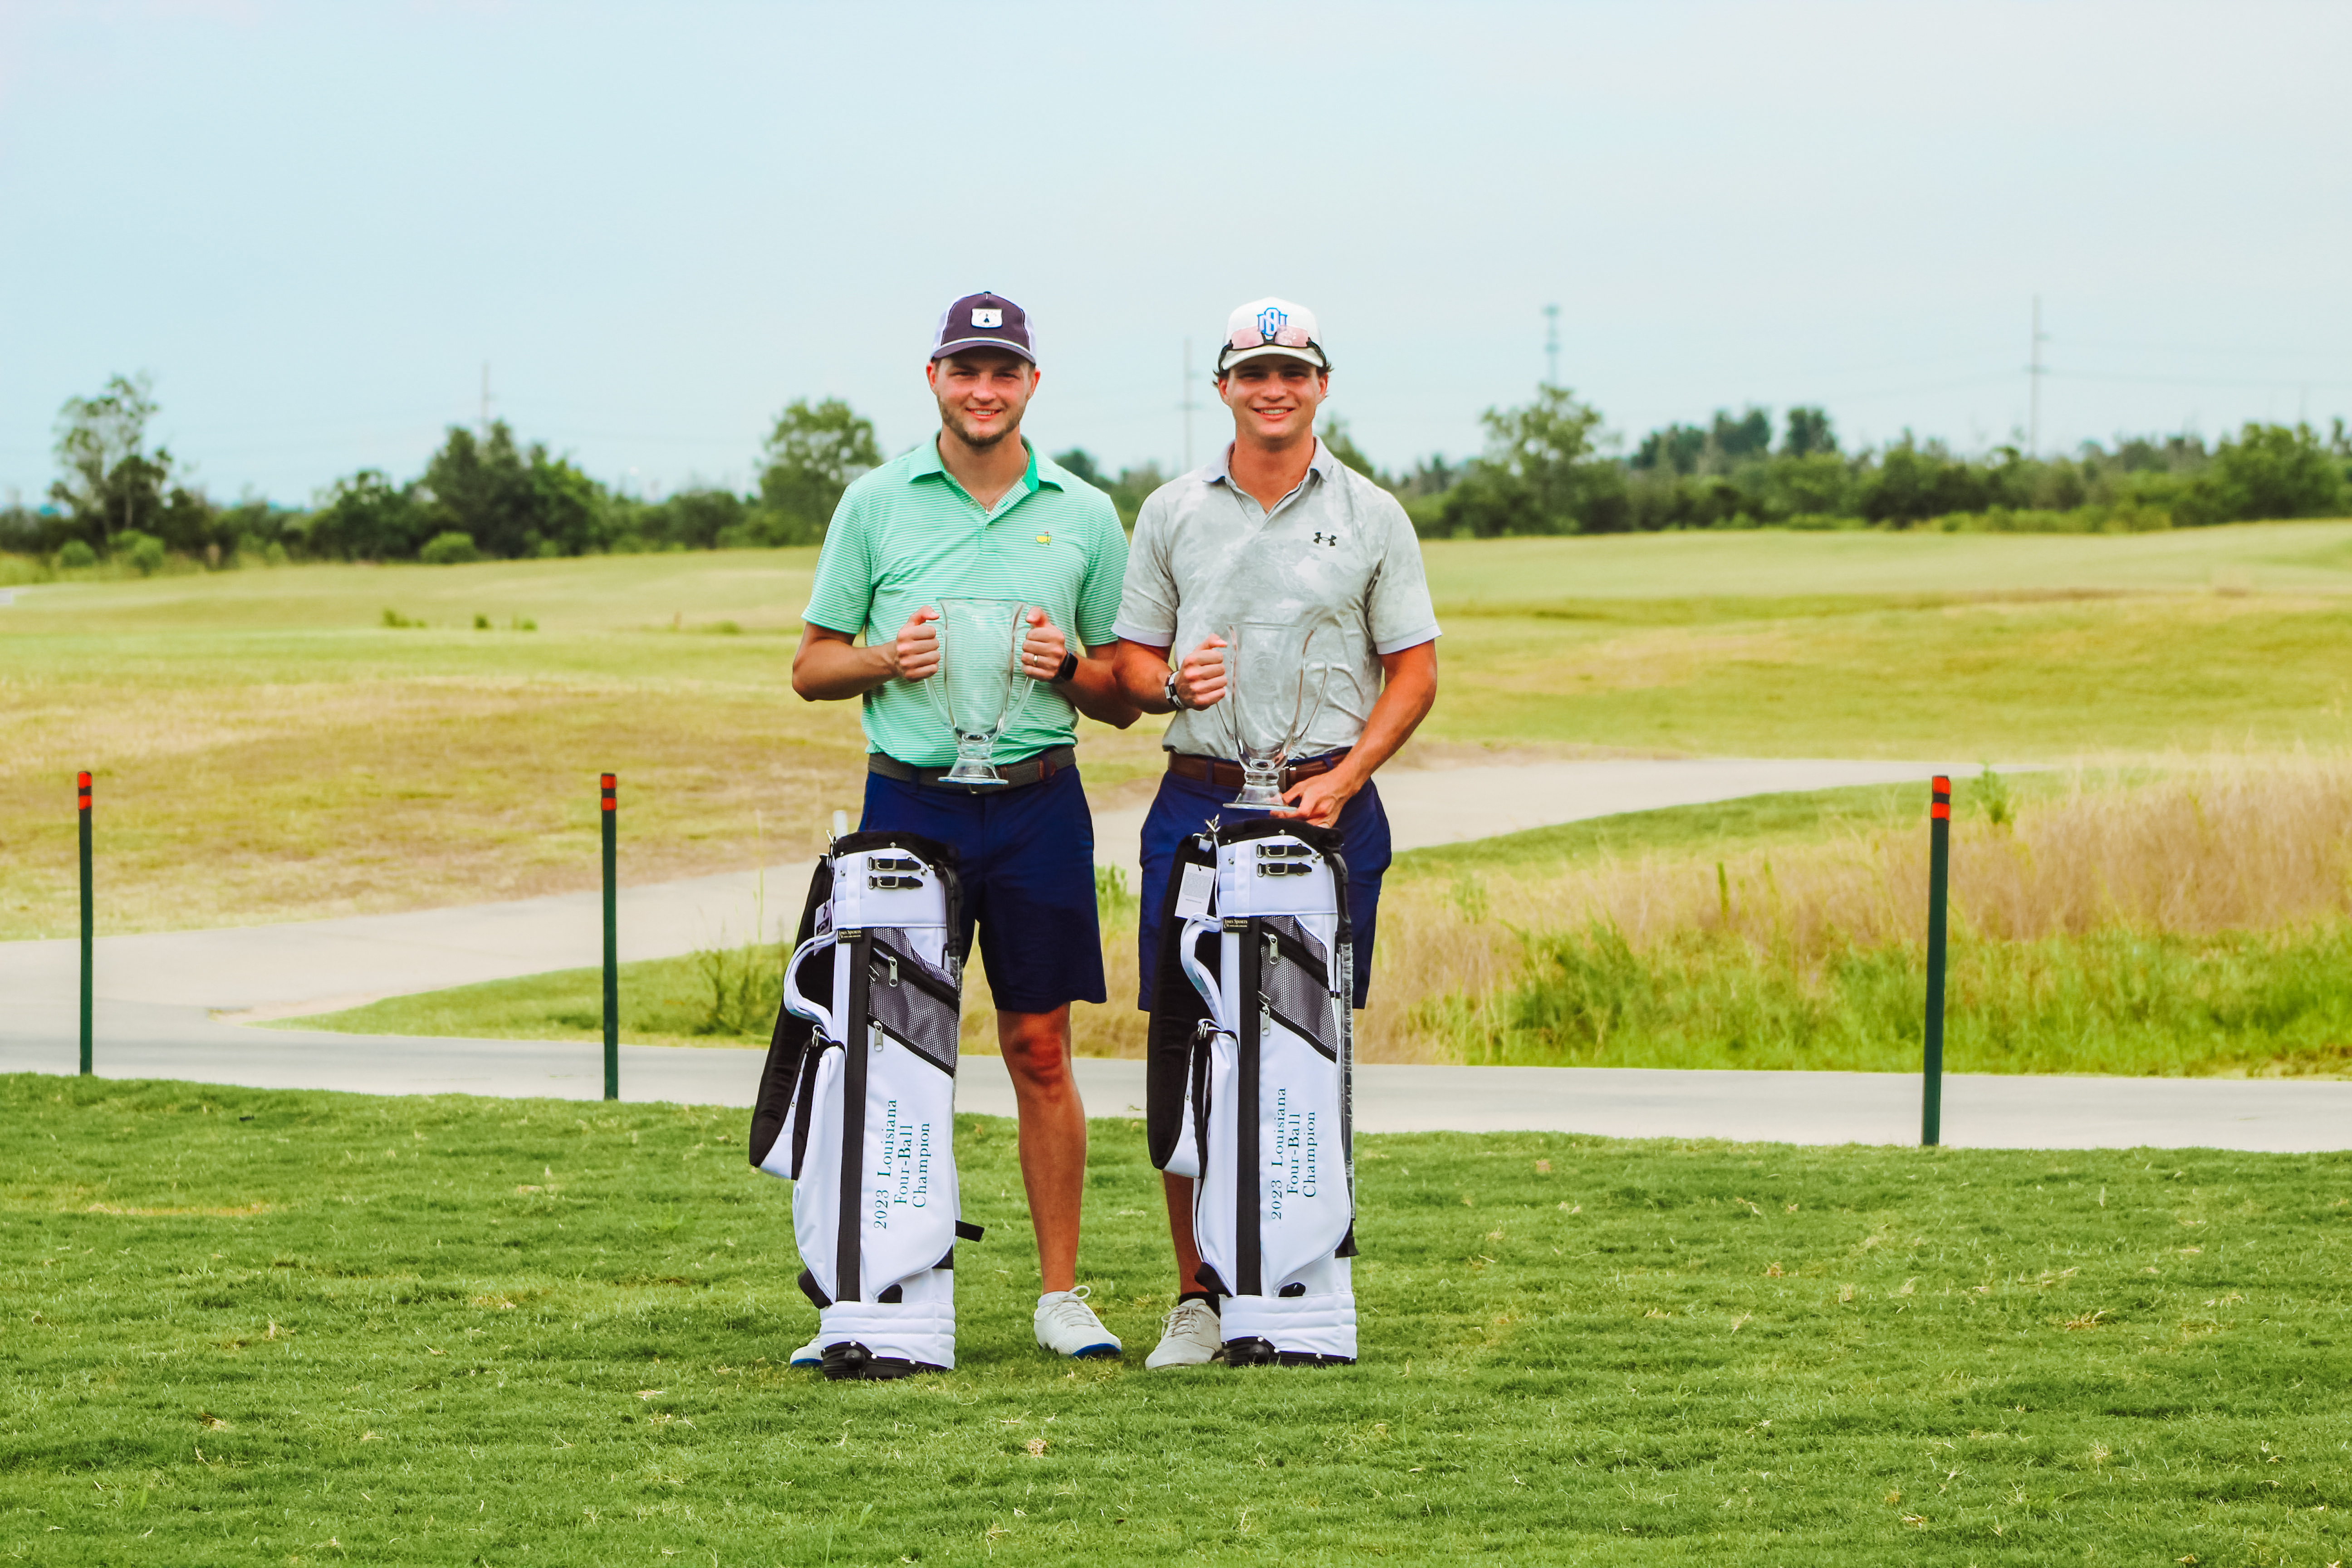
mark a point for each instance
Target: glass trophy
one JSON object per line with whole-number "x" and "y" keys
{"x": 975, "y": 687}
{"x": 1273, "y": 693}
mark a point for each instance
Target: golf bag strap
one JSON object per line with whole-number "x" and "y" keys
{"x": 1176, "y": 1013}
{"x": 1246, "y": 1241}
{"x": 848, "y": 1259}
{"x": 967, "y": 1231}
{"x": 789, "y": 1043}
{"x": 1343, "y": 985}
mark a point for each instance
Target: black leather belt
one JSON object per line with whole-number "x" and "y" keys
{"x": 1029, "y": 770}
{"x": 1228, "y": 776}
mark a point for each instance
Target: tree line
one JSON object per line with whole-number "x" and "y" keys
{"x": 482, "y": 494}
{"x": 1549, "y": 467}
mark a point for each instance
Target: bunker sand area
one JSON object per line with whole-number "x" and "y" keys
{"x": 268, "y": 749}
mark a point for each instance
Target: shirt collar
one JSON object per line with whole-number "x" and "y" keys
{"x": 1220, "y": 471}
{"x": 927, "y": 463}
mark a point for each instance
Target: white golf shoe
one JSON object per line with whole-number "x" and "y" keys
{"x": 1189, "y": 1336}
{"x": 811, "y": 1355}
{"x": 1067, "y": 1326}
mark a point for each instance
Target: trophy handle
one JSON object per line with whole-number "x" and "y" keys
{"x": 1231, "y": 655}
{"x": 1028, "y": 683}
{"x": 933, "y": 686}
{"x": 1322, "y": 687}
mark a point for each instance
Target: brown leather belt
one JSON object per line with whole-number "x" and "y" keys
{"x": 1228, "y": 776}
{"x": 1030, "y": 770}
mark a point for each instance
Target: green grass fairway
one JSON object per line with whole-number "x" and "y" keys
{"x": 2263, "y": 557}
{"x": 253, "y": 1327}
{"x": 1716, "y": 827}
{"x": 1991, "y": 680}
{"x": 268, "y": 748}
{"x": 663, "y": 1002}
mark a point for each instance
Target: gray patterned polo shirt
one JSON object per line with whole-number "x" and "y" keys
{"x": 1205, "y": 555}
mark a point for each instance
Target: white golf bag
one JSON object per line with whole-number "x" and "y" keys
{"x": 856, "y": 1106}
{"x": 1251, "y": 1056}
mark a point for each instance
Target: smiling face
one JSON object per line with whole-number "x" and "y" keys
{"x": 982, "y": 394}
{"x": 1273, "y": 398}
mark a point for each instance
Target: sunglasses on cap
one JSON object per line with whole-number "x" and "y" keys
{"x": 1290, "y": 336}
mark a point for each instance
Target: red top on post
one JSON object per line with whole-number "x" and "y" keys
{"x": 606, "y": 781}
{"x": 1941, "y": 808}
{"x": 81, "y": 785}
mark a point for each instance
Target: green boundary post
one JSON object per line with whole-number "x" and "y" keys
{"x": 612, "y": 948}
{"x": 88, "y": 922}
{"x": 1940, "y": 860}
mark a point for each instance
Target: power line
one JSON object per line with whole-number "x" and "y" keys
{"x": 2034, "y": 372}
{"x": 1187, "y": 403}
{"x": 2272, "y": 383}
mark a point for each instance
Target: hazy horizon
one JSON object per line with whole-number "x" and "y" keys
{"x": 312, "y": 226}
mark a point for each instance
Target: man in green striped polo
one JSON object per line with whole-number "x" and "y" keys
{"x": 977, "y": 513}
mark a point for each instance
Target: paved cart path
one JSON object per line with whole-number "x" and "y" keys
{"x": 316, "y": 966}
{"x": 148, "y": 1040}
{"x": 157, "y": 993}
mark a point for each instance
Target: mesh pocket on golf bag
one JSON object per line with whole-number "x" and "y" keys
{"x": 914, "y": 1003}
{"x": 1296, "y": 987}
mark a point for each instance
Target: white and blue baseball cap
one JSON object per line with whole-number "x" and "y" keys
{"x": 1271, "y": 326}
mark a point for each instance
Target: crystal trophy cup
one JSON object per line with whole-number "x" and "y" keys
{"x": 1273, "y": 693}
{"x": 973, "y": 689}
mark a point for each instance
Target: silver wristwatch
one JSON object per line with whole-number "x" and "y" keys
{"x": 1174, "y": 701}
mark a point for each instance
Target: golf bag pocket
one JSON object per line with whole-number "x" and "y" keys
{"x": 858, "y": 1108}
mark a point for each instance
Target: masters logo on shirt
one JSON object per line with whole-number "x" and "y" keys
{"x": 1045, "y": 539}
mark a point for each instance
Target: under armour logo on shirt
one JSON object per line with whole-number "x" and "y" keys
{"x": 1330, "y": 539}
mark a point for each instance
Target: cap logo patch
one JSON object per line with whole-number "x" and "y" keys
{"x": 1270, "y": 321}
{"x": 988, "y": 317}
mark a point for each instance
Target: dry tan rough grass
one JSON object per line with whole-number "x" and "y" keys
{"x": 2210, "y": 845}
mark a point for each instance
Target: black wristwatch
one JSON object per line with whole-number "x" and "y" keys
{"x": 1069, "y": 667}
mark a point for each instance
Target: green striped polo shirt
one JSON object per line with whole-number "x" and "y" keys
{"x": 906, "y": 536}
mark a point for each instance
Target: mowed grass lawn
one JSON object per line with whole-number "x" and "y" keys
{"x": 267, "y": 748}
{"x": 251, "y": 1327}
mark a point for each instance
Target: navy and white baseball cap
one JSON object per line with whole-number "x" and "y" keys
{"x": 985, "y": 321}
{"x": 1271, "y": 326}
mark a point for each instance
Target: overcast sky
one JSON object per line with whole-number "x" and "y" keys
{"x": 314, "y": 224}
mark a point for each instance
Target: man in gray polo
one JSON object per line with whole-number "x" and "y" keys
{"x": 1276, "y": 529}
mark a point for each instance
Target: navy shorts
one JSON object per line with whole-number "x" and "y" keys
{"x": 1184, "y": 806}
{"x": 1025, "y": 854}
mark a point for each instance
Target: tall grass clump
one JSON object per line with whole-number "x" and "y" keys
{"x": 2109, "y": 1002}
{"x": 2194, "y": 923}
{"x": 16, "y": 570}
{"x": 744, "y": 986}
